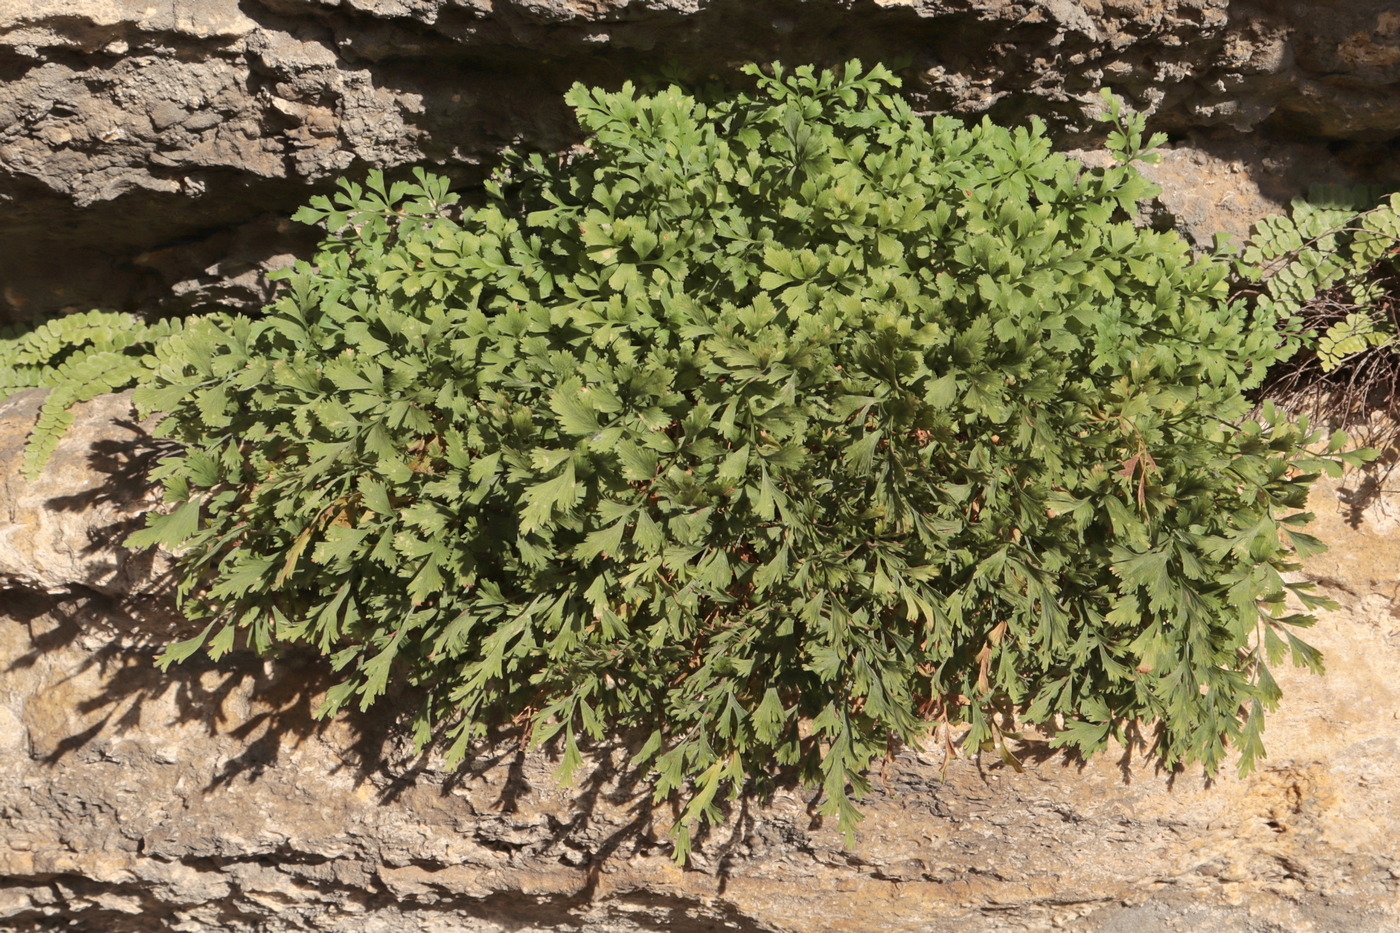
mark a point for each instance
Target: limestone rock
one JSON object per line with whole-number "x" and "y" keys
{"x": 210, "y": 799}
{"x": 62, "y": 532}
{"x": 138, "y": 139}
{"x": 1225, "y": 183}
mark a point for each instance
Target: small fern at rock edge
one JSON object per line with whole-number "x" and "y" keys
{"x": 1327, "y": 276}
{"x": 1328, "y": 270}
{"x": 76, "y": 357}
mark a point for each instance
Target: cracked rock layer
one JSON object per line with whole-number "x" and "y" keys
{"x": 150, "y": 154}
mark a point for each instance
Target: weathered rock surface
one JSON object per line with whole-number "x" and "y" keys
{"x": 65, "y": 528}
{"x": 209, "y": 799}
{"x": 150, "y": 153}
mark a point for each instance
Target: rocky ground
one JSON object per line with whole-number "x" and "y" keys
{"x": 209, "y": 799}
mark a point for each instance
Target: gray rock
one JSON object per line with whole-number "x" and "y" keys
{"x": 97, "y": 168}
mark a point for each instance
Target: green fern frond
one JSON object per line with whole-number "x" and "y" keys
{"x": 77, "y": 357}
{"x": 1357, "y": 332}
{"x": 55, "y": 417}
{"x": 15, "y": 378}
{"x": 1321, "y": 263}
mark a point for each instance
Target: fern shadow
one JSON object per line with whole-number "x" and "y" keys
{"x": 115, "y": 691}
{"x": 124, "y": 466}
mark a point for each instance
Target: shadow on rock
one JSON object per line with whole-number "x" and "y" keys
{"x": 124, "y": 465}
{"x": 98, "y": 696}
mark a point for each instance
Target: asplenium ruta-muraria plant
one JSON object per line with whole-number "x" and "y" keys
{"x": 773, "y": 427}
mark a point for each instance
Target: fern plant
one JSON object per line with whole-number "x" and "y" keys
{"x": 76, "y": 357}
{"x": 779, "y": 425}
{"x": 1330, "y": 269}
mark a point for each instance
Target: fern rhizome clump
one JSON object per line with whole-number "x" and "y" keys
{"x": 772, "y": 427}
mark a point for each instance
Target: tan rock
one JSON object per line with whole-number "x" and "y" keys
{"x": 63, "y": 530}
{"x": 1222, "y": 183}
{"x": 63, "y": 22}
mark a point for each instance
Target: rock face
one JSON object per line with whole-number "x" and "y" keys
{"x": 64, "y": 529}
{"x": 208, "y": 798}
{"x": 151, "y": 153}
